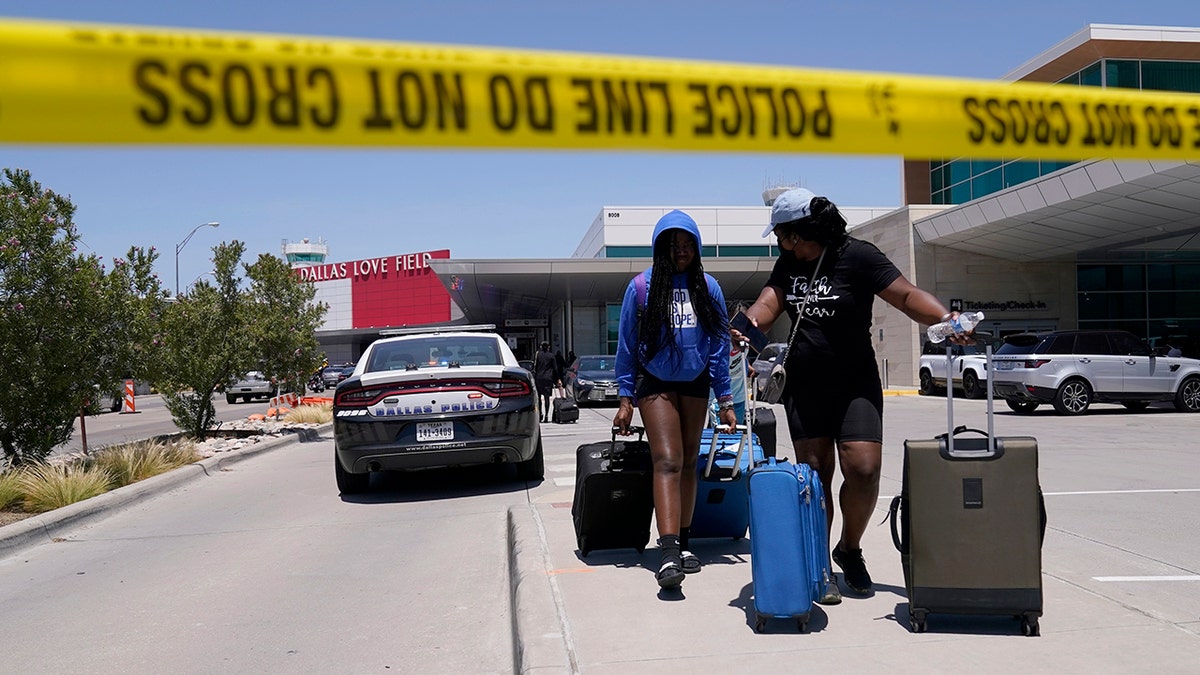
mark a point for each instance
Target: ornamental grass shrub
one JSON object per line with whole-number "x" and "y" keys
{"x": 311, "y": 414}
{"x": 137, "y": 461}
{"x": 45, "y": 487}
{"x": 10, "y": 492}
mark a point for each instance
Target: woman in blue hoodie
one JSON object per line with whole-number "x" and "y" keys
{"x": 673, "y": 347}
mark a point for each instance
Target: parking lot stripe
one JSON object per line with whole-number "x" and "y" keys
{"x": 888, "y": 498}
{"x": 1117, "y": 492}
{"x": 1185, "y": 577}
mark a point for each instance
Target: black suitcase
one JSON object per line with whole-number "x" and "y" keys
{"x": 764, "y": 428}
{"x": 613, "y": 497}
{"x": 971, "y": 523}
{"x": 564, "y": 410}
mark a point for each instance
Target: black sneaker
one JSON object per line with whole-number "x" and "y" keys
{"x": 854, "y": 568}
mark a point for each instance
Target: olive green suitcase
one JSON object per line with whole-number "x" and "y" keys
{"x": 971, "y": 523}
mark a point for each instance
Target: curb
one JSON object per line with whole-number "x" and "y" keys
{"x": 541, "y": 639}
{"x": 46, "y": 527}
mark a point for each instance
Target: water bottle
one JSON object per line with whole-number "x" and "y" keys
{"x": 963, "y": 323}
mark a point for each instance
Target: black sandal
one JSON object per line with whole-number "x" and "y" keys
{"x": 669, "y": 575}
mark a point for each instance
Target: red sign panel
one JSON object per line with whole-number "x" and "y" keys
{"x": 389, "y": 291}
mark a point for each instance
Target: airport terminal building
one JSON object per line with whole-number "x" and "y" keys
{"x": 1036, "y": 245}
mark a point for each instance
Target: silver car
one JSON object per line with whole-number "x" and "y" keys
{"x": 253, "y": 385}
{"x": 1073, "y": 369}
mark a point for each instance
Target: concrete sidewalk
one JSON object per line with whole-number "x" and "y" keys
{"x": 605, "y": 614}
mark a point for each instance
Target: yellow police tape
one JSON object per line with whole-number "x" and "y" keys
{"x": 92, "y": 83}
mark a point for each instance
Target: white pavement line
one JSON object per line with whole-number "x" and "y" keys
{"x": 1116, "y": 492}
{"x": 561, "y": 467}
{"x": 565, "y": 482}
{"x": 1185, "y": 577}
{"x": 888, "y": 498}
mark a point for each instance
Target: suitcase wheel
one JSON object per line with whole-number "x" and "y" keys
{"x": 802, "y": 624}
{"x": 918, "y": 622}
{"x": 760, "y": 623}
{"x": 1029, "y": 626}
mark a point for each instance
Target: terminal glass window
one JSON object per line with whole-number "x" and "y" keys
{"x": 628, "y": 252}
{"x": 612, "y": 320}
{"x": 1154, "y": 299}
{"x": 743, "y": 251}
{"x": 956, "y": 181}
{"x": 1181, "y": 76}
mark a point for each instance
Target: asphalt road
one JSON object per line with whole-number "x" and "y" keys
{"x": 265, "y": 568}
{"x": 150, "y": 419}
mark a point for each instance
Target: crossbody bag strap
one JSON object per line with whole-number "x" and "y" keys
{"x": 804, "y": 303}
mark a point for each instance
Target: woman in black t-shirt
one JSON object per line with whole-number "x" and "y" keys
{"x": 828, "y": 281}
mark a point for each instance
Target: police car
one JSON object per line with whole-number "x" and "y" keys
{"x": 427, "y": 398}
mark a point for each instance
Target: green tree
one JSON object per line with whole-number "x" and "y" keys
{"x": 217, "y": 332}
{"x": 66, "y": 324}
{"x": 283, "y": 321}
{"x": 201, "y": 343}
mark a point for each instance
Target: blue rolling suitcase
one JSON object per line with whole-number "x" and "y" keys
{"x": 722, "y": 502}
{"x": 789, "y": 542}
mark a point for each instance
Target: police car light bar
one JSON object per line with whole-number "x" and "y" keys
{"x": 389, "y": 332}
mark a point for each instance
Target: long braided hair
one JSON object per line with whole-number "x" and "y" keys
{"x": 655, "y": 329}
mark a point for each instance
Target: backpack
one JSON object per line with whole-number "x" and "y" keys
{"x": 639, "y": 289}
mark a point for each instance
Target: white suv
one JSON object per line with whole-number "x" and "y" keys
{"x": 968, "y": 368}
{"x": 1075, "y": 368}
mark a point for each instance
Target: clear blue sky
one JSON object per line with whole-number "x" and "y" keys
{"x": 493, "y": 204}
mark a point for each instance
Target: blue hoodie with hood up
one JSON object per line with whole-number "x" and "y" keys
{"x": 697, "y": 351}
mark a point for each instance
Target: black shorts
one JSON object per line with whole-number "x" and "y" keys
{"x": 850, "y": 412}
{"x": 647, "y": 385}
{"x": 544, "y": 387}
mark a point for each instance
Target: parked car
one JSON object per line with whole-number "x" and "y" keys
{"x": 1075, "y": 368}
{"x": 968, "y": 367}
{"x": 426, "y": 399}
{"x": 344, "y": 373}
{"x": 763, "y": 362}
{"x": 329, "y": 375}
{"x": 253, "y": 385}
{"x": 592, "y": 379}
{"x": 111, "y": 401}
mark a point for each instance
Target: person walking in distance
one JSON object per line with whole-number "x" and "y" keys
{"x": 545, "y": 376}
{"x": 673, "y": 345}
{"x": 827, "y": 281}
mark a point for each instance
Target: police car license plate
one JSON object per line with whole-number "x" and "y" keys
{"x": 435, "y": 431}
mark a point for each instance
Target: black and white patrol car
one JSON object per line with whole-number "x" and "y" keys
{"x": 428, "y": 398}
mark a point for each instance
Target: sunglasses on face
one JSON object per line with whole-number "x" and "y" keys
{"x": 807, "y": 234}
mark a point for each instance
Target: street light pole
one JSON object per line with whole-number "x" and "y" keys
{"x": 180, "y": 245}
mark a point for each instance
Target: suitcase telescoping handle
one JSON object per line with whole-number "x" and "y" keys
{"x": 640, "y": 431}
{"x": 743, "y": 446}
{"x": 950, "y": 428}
